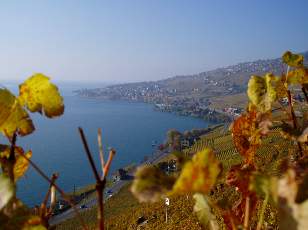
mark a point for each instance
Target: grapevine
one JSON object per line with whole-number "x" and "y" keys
{"x": 266, "y": 167}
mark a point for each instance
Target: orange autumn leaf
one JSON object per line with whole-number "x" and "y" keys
{"x": 246, "y": 136}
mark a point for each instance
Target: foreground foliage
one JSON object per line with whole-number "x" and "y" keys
{"x": 36, "y": 94}
{"x": 255, "y": 189}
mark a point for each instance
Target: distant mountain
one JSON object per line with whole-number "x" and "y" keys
{"x": 197, "y": 87}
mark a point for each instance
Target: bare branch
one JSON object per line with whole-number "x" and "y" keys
{"x": 112, "y": 152}
{"x": 86, "y": 147}
{"x": 305, "y": 93}
{"x": 58, "y": 188}
{"x": 101, "y": 152}
{"x": 292, "y": 110}
{"x": 12, "y": 158}
{"x": 246, "y": 218}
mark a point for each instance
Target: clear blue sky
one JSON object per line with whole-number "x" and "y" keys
{"x": 127, "y": 40}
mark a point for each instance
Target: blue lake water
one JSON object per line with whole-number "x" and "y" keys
{"x": 128, "y": 127}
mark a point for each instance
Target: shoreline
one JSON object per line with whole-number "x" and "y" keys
{"x": 224, "y": 117}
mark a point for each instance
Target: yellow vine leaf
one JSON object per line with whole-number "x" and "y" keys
{"x": 204, "y": 212}
{"x": 150, "y": 184}
{"x": 298, "y": 76}
{"x": 21, "y": 164}
{"x": 199, "y": 174}
{"x": 261, "y": 92}
{"x": 246, "y": 136}
{"x": 33, "y": 223}
{"x": 294, "y": 60}
{"x": 281, "y": 89}
{"x": 12, "y": 116}
{"x": 38, "y": 94}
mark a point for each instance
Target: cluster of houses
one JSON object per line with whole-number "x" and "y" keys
{"x": 233, "y": 111}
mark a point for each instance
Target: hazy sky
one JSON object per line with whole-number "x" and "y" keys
{"x": 126, "y": 40}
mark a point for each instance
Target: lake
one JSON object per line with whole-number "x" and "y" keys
{"x": 128, "y": 127}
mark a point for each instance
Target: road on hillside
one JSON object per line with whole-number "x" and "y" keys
{"x": 114, "y": 188}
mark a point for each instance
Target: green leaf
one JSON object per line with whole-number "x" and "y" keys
{"x": 203, "y": 212}
{"x": 7, "y": 190}
{"x": 39, "y": 95}
{"x": 261, "y": 92}
{"x": 198, "y": 175}
{"x": 294, "y": 60}
{"x": 151, "y": 184}
{"x": 12, "y": 116}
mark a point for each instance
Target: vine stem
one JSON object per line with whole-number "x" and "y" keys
{"x": 232, "y": 222}
{"x": 101, "y": 151}
{"x": 89, "y": 155}
{"x": 292, "y": 110}
{"x": 112, "y": 152}
{"x": 294, "y": 121}
{"x": 58, "y": 188}
{"x": 100, "y": 181}
{"x": 246, "y": 218}
{"x": 260, "y": 222}
{"x": 12, "y": 158}
{"x": 53, "y": 180}
{"x": 305, "y": 93}
{"x": 44, "y": 213}
{"x": 100, "y": 198}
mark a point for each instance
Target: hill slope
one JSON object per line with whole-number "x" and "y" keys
{"x": 191, "y": 89}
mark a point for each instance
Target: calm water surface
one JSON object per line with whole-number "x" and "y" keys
{"x": 128, "y": 127}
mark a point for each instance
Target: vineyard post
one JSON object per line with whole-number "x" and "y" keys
{"x": 167, "y": 202}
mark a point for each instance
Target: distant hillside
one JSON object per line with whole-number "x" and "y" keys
{"x": 222, "y": 81}
{"x": 191, "y": 90}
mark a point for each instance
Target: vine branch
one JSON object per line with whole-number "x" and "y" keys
{"x": 100, "y": 148}
{"x": 42, "y": 174}
{"x": 100, "y": 182}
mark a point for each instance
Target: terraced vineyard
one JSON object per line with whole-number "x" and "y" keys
{"x": 274, "y": 147}
{"x": 123, "y": 210}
